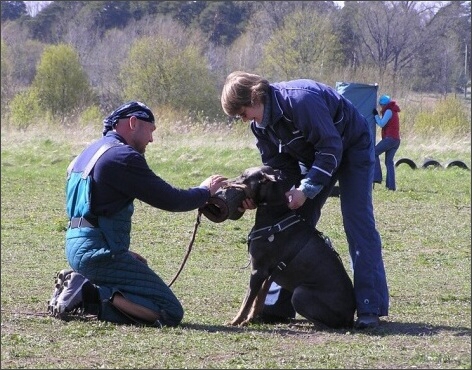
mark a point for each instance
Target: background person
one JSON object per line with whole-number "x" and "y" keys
{"x": 390, "y": 140}
{"x": 107, "y": 279}
{"x": 317, "y": 137}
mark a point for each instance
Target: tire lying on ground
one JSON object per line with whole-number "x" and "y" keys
{"x": 431, "y": 163}
{"x": 456, "y": 163}
{"x": 407, "y": 161}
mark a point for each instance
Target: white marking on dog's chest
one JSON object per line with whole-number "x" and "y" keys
{"x": 271, "y": 238}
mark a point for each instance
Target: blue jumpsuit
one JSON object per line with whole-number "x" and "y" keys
{"x": 104, "y": 195}
{"x": 309, "y": 130}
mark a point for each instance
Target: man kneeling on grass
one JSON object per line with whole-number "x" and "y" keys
{"x": 106, "y": 278}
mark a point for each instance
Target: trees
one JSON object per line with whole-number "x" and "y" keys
{"x": 301, "y": 48}
{"x": 414, "y": 45}
{"x": 61, "y": 82}
{"x": 440, "y": 65}
{"x": 12, "y": 10}
{"x": 222, "y": 21}
{"x": 19, "y": 57}
{"x": 5, "y": 76}
{"x": 162, "y": 74}
{"x": 406, "y": 39}
{"x": 389, "y": 36}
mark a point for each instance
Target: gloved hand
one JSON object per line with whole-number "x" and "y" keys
{"x": 375, "y": 112}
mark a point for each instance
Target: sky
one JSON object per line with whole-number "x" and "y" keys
{"x": 33, "y": 7}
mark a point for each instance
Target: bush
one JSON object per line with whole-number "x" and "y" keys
{"x": 91, "y": 115}
{"x": 160, "y": 73}
{"x": 448, "y": 117}
{"x": 25, "y": 109}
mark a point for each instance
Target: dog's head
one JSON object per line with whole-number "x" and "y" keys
{"x": 258, "y": 183}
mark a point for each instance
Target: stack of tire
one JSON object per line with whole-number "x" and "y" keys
{"x": 428, "y": 163}
{"x": 431, "y": 163}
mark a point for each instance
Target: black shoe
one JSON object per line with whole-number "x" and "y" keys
{"x": 367, "y": 321}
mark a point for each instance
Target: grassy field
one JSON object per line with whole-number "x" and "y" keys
{"x": 425, "y": 228}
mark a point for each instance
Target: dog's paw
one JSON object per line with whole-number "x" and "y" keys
{"x": 246, "y": 322}
{"x": 237, "y": 321}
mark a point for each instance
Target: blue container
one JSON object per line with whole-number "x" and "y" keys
{"x": 364, "y": 98}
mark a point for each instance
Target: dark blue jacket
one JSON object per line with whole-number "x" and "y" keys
{"x": 104, "y": 196}
{"x": 310, "y": 124}
{"x": 122, "y": 175}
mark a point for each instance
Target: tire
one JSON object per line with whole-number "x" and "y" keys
{"x": 456, "y": 163}
{"x": 431, "y": 163}
{"x": 407, "y": 161}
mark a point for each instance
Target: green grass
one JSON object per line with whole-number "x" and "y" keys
{"x": 425, "y": 228}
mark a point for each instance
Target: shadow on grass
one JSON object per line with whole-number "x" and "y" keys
{"x": 417, "y": 329}
{"x": 298, "y": 327}
{"x": 304, "y": 326}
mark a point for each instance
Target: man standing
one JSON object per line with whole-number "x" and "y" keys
{"x": 317, "y": 137}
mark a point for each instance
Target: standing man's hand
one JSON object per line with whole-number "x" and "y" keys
{"x": 375, "y": 112}
{"x": 295, "y": 198}
{"x": 247, "y": 203}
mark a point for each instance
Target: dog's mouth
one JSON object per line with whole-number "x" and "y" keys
{"x": 225, "y": 203}
{"x": 255, "y": 183}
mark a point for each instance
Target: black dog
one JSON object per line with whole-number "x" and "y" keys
{"x": 286, "y": 249}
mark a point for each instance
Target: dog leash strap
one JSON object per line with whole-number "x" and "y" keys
{"x": 189, "y": 248}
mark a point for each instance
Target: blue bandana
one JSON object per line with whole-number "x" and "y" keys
{"x": 133, "y": 108}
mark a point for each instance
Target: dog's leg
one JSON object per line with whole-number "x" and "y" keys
{"x": 259, "y": 302}
{"x": 255, "y": 284}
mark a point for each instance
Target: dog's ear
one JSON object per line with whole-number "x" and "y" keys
{"x": 278, "y": 175}
{"x": 270, "y": 174}
{"x": 267, "y": 177}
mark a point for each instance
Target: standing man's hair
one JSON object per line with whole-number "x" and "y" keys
{"x": 243, "y": 89}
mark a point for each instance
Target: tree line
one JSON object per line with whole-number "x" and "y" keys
{"x": 84, "y": 56}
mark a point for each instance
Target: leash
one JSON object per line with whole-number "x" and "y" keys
{"x": 197, "y": 223}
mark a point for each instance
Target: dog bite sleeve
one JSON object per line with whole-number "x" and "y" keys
{"x": 224, "y": 204}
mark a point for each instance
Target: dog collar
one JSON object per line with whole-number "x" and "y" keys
{"x": 267, "y": 232}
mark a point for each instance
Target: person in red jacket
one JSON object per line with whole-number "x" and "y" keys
{"x": 390, "y": 140}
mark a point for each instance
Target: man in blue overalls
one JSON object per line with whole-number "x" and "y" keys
{"x": 106, "y": 278}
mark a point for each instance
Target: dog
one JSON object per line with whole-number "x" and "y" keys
{"x": 284, "y": 248}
